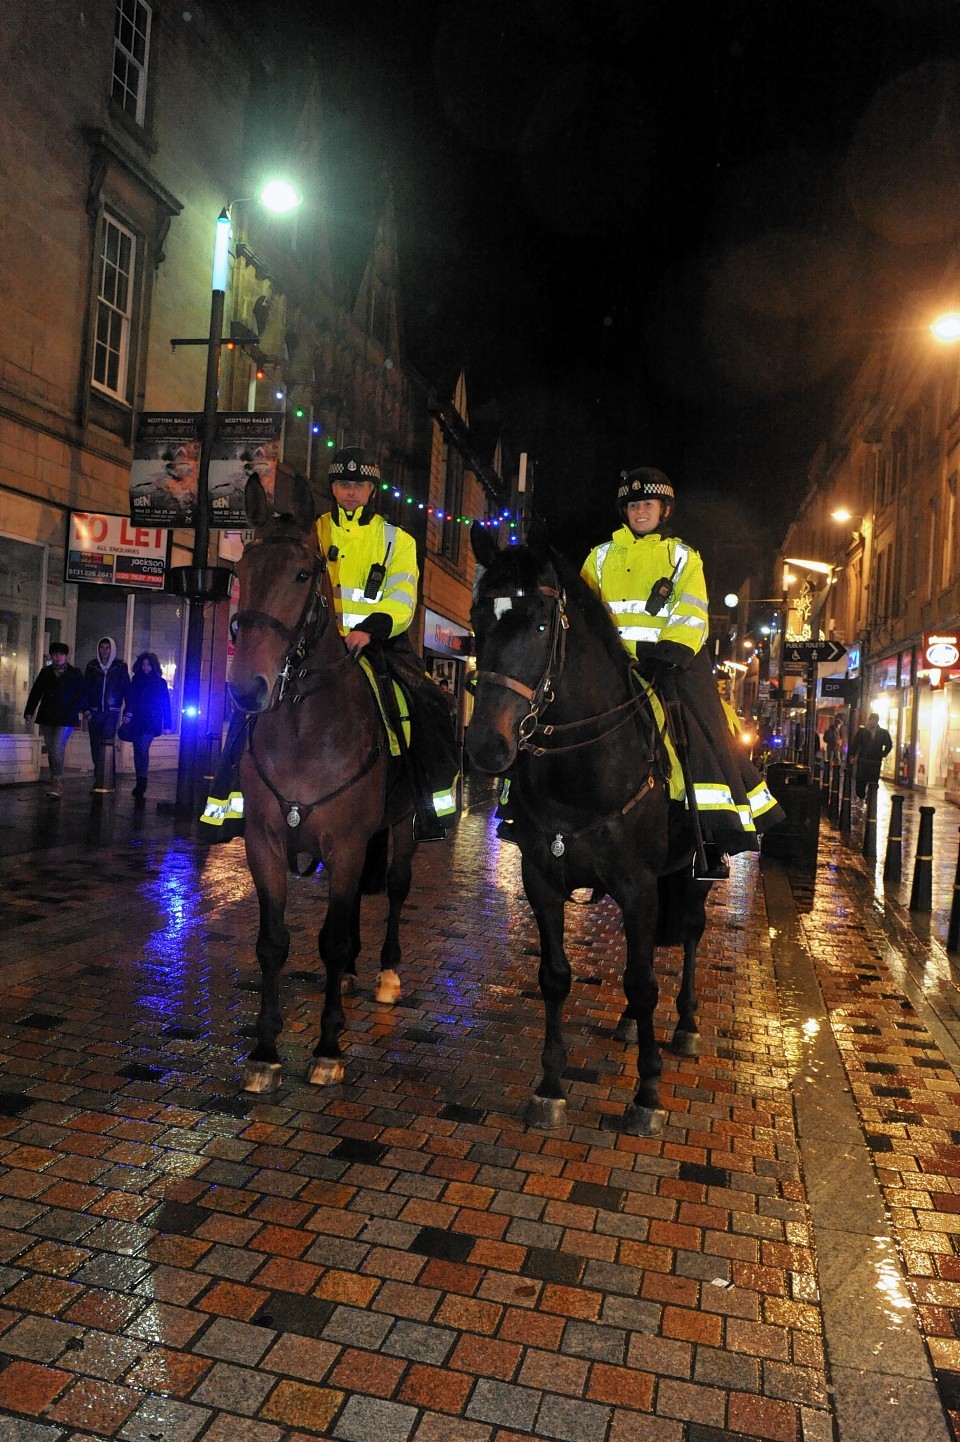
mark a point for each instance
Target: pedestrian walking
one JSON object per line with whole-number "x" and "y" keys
{"x": 55, "y": 700}
{"x": 833, "y": 739}
{"x": 870, "y": 745}
{"x": 107, "y": 682}
{"x": 146, "y": 715}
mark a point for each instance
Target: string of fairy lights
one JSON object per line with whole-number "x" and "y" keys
{"x": 448, "y": 516}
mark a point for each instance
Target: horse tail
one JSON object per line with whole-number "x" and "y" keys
{"x": 373, "y": 878}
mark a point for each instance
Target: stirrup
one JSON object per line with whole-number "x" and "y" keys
{"x": 427, "y": 829}
{"x": 506, "y": 831}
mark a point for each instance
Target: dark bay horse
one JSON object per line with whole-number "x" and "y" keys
{"x": 556, "y": 704}
{"x": 316, "y": 776}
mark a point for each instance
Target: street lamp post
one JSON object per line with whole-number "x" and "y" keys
{"x": 200, "y": 583}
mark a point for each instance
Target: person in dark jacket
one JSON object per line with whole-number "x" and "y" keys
{"x": 55, "y": 700}
{"x": 870, "y": 745}
{"x": 107, "y": 681}
{"x": 147, "y": 712}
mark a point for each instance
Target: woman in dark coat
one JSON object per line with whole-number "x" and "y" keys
{"x": 147, "y": 712}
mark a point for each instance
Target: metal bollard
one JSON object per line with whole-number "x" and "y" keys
{"x": 870, "y": 823}
{"x": 893, "y": 860}
{"x": 921, "y": 893}
{"x": 846, "y": 800}
{"x": 833, "y": 794}
{"x": 953, "y": 930}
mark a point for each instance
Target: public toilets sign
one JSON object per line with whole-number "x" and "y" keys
{"x": 112, "y": 551}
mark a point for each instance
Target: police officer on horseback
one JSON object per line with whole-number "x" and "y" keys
{"x": 373, "y": 567}
{"x": 654, "y": 587}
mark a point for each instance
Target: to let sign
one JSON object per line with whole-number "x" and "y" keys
{"x": 114, "y": 551}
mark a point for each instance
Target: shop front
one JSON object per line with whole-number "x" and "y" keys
{"x": 75, "y": 578}
{"x": 938, "y": 711}
{"x": 447, "y": 654}
{"x": 891, "y": 696}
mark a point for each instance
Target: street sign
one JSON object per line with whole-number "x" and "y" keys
{"x": 839, "y": 688}
{"x": 813, "y": 653}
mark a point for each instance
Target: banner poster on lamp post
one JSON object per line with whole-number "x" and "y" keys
{"x": 164, "y": 475}
{"x": 247, "y": 443}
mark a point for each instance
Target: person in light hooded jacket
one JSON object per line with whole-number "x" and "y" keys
{"x": 107, "y": 683}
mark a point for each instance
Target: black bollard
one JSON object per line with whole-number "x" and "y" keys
{"x": 833, "y": 794}
{"x": 870, "y": 823}
{"x": 893, "y": 860}
{"x": 846, "y": 799}
{"x": 953, "y": 930}
{"x": 921, "y": 893}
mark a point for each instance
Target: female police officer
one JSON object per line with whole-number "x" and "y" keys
{"x": 654, "y": 588}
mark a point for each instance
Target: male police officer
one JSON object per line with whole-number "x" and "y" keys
{"x": 373, "y": 567}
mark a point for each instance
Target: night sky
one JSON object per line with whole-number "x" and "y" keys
{"x": 654, "y": 233}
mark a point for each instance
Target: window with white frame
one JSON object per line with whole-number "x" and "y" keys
{"x": 131, "y": 53}
{"x": 111, "y": 344}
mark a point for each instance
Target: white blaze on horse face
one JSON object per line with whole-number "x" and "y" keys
{"x": 501, "y": 605}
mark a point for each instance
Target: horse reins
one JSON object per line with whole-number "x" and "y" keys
{"x": 542, "y": 694}
{"x": 301, "y": 638}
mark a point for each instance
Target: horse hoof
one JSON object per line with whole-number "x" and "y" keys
{"x": 644, "y": 1121}
{"x": 325, "y": 1071}
{"x": 685, "y": 1043}
{"x": 261, "y": 1077}
{"x": 546, "y": 1113}
{"x": 388, "y": 988}
{"x": 626, "y": 1029}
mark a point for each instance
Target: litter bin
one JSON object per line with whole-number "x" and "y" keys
{"x": 796, "y": 838}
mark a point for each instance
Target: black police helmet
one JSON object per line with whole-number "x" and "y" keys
{"x": 645, "y": 483}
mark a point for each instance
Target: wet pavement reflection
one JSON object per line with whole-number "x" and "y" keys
{"x": 399, "y": 1256}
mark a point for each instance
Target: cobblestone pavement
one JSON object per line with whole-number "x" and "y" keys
{"x": 400, "y": 1257}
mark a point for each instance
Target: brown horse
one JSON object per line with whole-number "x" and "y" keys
{"x": 316, "y": 777}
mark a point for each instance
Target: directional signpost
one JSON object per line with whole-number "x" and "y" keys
{"x": 800, "y": 656}
{"x": 813, "y": 653}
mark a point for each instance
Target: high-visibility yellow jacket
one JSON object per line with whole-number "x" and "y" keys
{"x": 351, "y": 549}
{"x": 623, "y": 572}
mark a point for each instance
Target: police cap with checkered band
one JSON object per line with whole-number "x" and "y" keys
{"x": 353, "y": 463}
{"x": 645, "y": 483}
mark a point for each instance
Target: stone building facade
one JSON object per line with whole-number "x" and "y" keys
{"x": 126, "y": 129}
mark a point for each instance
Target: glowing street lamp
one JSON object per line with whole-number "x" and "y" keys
{"x": 946, "y": 327}
{"x": 200, "y": 582}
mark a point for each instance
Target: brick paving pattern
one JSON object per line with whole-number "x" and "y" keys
{"x": 399, "y": 1257}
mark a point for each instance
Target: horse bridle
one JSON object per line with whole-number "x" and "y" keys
{"x": 313, "y": 621}
{"x": 541, "y": 695}
{"x": 300, "y": 637}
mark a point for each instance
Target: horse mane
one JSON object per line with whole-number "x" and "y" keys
{"x": 595, "y": 615}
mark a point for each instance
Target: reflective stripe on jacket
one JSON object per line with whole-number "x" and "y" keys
{"x": 357, "y": 548}
{"x": 623, "y": 572}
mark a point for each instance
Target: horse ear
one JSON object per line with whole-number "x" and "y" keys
{"x": 538, "y": 541}
{"x": 304, "y": 503}
{"x": 484, "y": 544}
{"x": 255, "y": 502}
